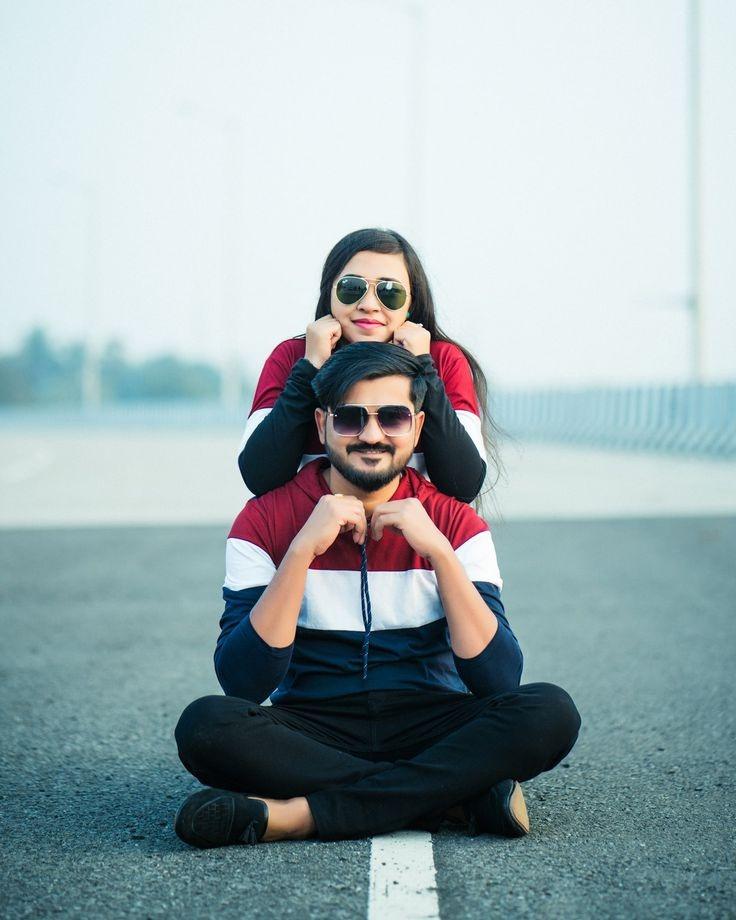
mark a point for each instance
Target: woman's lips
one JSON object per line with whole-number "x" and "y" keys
{"x": 367, "y": 324}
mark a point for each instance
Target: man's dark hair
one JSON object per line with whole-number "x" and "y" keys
{"x": 367, "y": 361}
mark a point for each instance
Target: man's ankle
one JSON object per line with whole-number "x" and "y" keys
{"x": 289, "y": 819}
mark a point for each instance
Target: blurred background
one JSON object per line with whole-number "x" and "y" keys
{"x": 172, "y": 176}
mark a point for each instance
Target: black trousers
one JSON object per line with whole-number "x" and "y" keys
{"x": 377, "y": 761}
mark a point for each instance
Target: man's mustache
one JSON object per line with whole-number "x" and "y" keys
{"x": 371, "y": 448}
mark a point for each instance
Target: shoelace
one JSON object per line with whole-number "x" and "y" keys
{"x": 365, "y": 606}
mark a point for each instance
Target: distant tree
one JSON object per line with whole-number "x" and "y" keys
{"x": 113, "y": 370}
{"x": 16, "y": 387}
{"x": 40, "y": 373}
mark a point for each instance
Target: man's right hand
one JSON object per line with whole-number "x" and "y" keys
{"x": 322, "y": 336}
{"x": 332, "y": 515}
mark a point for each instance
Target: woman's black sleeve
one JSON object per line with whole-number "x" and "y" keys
{"x": 453, "y": 462}
{"x": 272, "y": 453}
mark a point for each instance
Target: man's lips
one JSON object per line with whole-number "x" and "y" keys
{"x": 371, "y": 451}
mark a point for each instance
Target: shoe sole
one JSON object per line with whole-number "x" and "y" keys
{"x": 517, "y": 813}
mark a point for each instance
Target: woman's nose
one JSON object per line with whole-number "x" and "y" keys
{"x": 370, "y": 301}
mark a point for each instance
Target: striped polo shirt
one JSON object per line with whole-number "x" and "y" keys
{"x": 409, "y": 643}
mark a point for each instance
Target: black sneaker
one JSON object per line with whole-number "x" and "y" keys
{"x": 218, "y": 818}
{"x": 501, "y": 810}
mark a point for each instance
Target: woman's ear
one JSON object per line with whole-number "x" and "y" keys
{"x": 320, "y": 417}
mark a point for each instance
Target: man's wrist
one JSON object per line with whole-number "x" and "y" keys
{"x": 300, "y": 551}
{"x": 444, "y": 553}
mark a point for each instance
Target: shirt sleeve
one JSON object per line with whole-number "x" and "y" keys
{"x": 279, "y": 424}
{"x": 451, "y": 437}
{"x": 498, "y": 667}
{"x": 246, "y": 666}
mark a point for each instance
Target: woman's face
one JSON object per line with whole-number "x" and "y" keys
{"x": 369, "y": 320}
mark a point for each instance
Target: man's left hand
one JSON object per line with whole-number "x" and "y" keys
{"x": 410, "y": 519}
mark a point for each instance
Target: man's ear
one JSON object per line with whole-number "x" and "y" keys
{"x": 418, "y": 425}
{"x": 320, "y": 417}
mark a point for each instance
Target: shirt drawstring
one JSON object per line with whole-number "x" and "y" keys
{"x": 365, "y": 606}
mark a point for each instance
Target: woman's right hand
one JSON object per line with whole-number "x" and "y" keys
{"x": 322, "y": 336}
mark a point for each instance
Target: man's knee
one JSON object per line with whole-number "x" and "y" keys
{"x": 559, "y": 716}
{"x": 194, "y": 729}
{"x": 199, "y": 731}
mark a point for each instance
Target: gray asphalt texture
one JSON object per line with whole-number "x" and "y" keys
{"x": 108, "y": 634}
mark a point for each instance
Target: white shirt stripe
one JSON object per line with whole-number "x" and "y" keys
{"x": 246, "y": 565}
{"x": 399, "y": 600}
{"x": 471, "y": 423}
{"x": 478, "y": 558}
{"x": 250, "y": 426}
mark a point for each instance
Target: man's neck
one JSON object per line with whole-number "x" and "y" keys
{"x": 337, "y": 484}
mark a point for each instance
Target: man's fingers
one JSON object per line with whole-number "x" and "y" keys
{"x": 382, "y": 519}
{"x": 350, "y": 515}
{"x": 355, "y": 521}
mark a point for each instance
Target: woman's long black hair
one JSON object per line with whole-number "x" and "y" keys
{"x": 373, "y": 239}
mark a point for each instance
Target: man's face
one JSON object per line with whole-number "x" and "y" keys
{"x": 371, "y": 459}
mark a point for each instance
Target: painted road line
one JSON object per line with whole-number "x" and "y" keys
{"x": 403, "y": 885}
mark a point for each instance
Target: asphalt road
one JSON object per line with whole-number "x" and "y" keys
{"x": 108, "y": 633}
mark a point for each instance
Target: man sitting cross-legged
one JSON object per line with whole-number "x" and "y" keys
{"x": 367, "y": 605}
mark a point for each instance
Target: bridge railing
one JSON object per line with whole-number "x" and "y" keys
{"x": 684, "y": 418}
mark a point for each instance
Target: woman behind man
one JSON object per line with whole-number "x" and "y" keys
{"x": 373, "y": 288}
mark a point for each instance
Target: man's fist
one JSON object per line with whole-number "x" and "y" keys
{"x": 332, "y": 515}
{"x": 410, "y": 519}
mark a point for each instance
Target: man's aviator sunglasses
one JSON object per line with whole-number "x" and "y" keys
{"x": 349, "y": 421}
{"x": 351, "y": 289}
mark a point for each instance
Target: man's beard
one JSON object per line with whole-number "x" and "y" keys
{"x": 365, "y": 480}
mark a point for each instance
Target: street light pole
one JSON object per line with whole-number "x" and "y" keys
{"x": 89, "y": 196}
{"x": 231, "y": 134}
{"x": 695, "y": 222}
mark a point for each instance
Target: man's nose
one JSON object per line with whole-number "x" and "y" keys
{"x": 372, "y": 433}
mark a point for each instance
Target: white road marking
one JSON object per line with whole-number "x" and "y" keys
{"x": 403, "y": 885}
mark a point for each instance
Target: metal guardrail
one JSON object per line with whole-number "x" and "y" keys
{"x": 689, "y": 419}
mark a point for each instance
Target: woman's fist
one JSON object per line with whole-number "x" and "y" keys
{"x": 413, "y": 337}
{"x": 322, "y": 336}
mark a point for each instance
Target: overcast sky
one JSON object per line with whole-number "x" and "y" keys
{"x": 174, "y": 173}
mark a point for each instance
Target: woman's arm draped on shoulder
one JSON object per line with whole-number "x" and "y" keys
{"x": 455, "y": 460}
{"x": 282, "y": 415}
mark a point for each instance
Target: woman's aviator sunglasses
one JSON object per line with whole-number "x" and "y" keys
{"x": 349, "y": 421}
{"x": 351, "y": 289}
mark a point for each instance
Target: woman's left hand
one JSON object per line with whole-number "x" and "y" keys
{"x": 413, "y": 337}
